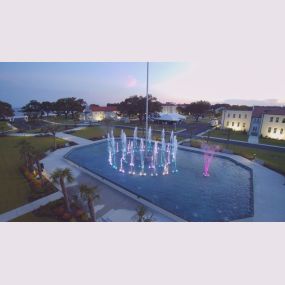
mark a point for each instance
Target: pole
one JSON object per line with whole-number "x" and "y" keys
{"x": 146, "y": 119}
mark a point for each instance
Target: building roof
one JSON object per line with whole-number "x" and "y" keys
{"x": 258, "y": 111}
{"x": 96, "y": 108}
{"x": 239, "y": 108}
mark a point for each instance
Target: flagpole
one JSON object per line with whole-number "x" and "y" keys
{"x": 146, "y": 119}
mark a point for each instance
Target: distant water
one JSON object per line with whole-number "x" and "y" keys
{"x": 18, "y": 112}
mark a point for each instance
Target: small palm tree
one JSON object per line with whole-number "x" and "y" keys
{"x": 141, "y": 215}
{"x": 36, "y": 155}
{"x": 90, "y": 194}
{"x": 25, "y": 150}
{"x": 59, "y": 176}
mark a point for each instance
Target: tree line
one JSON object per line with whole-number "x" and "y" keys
{"x": 62, "y": 107}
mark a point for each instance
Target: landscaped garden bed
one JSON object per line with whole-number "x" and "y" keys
{"x": 272, "y": 142}
{"x": 224, "y": 134}
{"x": 15, "y": 189}
{"x": 57, "y": 210}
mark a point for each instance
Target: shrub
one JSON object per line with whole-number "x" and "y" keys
{"x": 78, "y": 213}
{"x": 59, "y": 211}
{"x": 66, "y": 216}
{"x": 84, "y": 218}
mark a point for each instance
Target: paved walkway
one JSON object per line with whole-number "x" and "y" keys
{"x": 112, "y": 204}
{"x": 78, "y": 140}
{"x": 253, "y": 139}
{"x": 18, "y": 212}
{"x": 269, "y": 191}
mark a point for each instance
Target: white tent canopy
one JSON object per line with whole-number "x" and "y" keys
{"x": 173, "y": 117}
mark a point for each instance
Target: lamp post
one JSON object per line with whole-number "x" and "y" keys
{"x": 146, "y": 119}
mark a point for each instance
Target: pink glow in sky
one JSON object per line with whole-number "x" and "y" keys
{"x": 131, "y": 81}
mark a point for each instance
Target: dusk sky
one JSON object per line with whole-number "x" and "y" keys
{"x": 101, "y": 83}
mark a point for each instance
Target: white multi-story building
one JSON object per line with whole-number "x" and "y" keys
{"x": 237, "y": 120}
{"x": 273, "y": 125}
{"x": 258, "y": 121}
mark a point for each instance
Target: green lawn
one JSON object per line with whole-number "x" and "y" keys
{"x": 272, "y": 141}
{"x": 4, "y": 127}
{"x": 234, "y": 135}
{"x": 61, "y": 120}
{"x": 101, "y": 131}
{"x": 154, "y": 126}
{"x": 272, "y": 159}
{"x": 14, "y": 188}
{"x": 206, "y": 119}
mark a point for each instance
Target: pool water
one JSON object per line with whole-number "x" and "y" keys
{"x": 224, "y": 196}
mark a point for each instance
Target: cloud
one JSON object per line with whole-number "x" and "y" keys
{"x": 267, "y": 102}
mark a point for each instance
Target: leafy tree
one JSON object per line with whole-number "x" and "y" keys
{"x": 89, "y": 194}
{"x": 136, "y": 106}
{"x": 59, "y": 176}
{"x": 196, "y": 109}
{"x": 5, "y": 110}
{"x": 47, "y": 107}
{"x": 51, "y": 129}
{"x": 70, "y": 105}
{"x": 33, "y": 109}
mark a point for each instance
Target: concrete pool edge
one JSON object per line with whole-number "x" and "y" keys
{"x": 145, "y": 201}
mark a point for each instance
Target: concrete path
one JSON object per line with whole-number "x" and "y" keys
{"x": 269, "y": 188}
{"x": 253, "y": 139}
{"x": 13, "y": 214}
{"x": 78, "y": 140}
{"x": 110, "y": 199}
{"x": 269, "y": 191}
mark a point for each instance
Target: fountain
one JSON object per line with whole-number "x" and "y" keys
{"x": 142, "y": 156}
{"x": 209, "y": 152}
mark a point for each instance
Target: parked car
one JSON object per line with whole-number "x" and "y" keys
{"x": 214, "y": 122}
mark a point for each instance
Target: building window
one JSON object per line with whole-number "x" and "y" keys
{"x": 269, "y": 130}
{"x": 271, "y": 119}
{"x": 245, "y": 116}
{"x": 243, "y": 125}
{"x": 238, "y": 124}
{"x": 281, "y": 131}
{"x": 275, "y": 130}
{"x": 234, "y": 115}
{"x": 228, "y": 124}
{"x": 283, "y": 121}
{"x": 233, "y": 124}
{"x": 277, "y": 119}
{"x": 229, "y": 115}
{"x": 239, "y": 115}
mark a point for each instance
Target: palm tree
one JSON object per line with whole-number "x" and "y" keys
{"x": 36, "y": 155}
{"x": 59, "y": 176}
{"x": 52, "y": 129}
{"x": 90, "y": 194}
{"x": 141, "y": 215}
{"x": 25, "y": 150}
